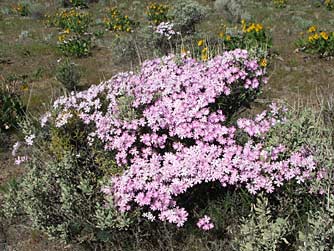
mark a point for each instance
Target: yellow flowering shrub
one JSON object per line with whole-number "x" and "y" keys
{"x": 280, "y": 3}
{"x": 72, "y": 19}
{"x": 22, "y": 9}
{"x": 73, "y": 44}
{"x": 317, "y": 41}
{"x": 118, "y": 22}
{"x": 245, "y": 36}
{"x": 157, "y": 13}
{"x": 75, "y": 37}
{"x": 329, "y": 4}
{"x": 76, "y": 3}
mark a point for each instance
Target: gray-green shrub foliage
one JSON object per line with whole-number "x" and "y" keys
{"x": 312, "y": 130}
{"x": 236, "y": 9}
{"x": 259, "y": 231}
{"x": 186, "y": 14}
{"x": 319, "y": 233}
{"x": 143, "y": 44}
{"x": 69, "y": 75}
{"x": 61, "y": 191}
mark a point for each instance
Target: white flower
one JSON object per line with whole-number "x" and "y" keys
{"x": 45, "y": 118}
{"x": 166, "y": 29}
{"x": 15, "y": 148}
{"x": 149, "y": 216}
{"x": 20, "y": 159}
{"x": 30, "y": 139}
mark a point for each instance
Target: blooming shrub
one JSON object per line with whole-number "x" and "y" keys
{"x": 157, "y": 13}
{"x": 75, "y": 3}
{"x": 251, "y": 36}
{"x": 205, "y": 223}
{"x": 166, "y": 30}
{"x": 318, "y": 42}
{"x": 71, "y": 20}
{"x": 280, "y": 3}
{"x": 22, "y": 9}
{"x": 329, "y": 4}
{"x": 73, "y": 44}
{"x": 118, "y": 22}
{"x": 75, "y": 38}
{"x": 170, "y": 128}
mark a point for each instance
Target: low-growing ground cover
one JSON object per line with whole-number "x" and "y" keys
{"x": 142, "y": 125}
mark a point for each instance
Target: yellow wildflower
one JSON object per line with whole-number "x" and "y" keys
{"x": 205, "y": 55}
{"x": 312, "y": 29}
{"x": 263, "y": 62}
{"x": 324, "y": 35}
{"x": 258, "y": 27}
{"x": 24, "y": 87}
{"x": 243, "y": 23}
{"x": 61, "y": 38}
{"x": 313, "y": 37}
{"x": 200, "y": 42}
{"x": 228, "y": 38}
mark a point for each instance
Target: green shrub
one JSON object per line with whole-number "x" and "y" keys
{"x": 69, "y": 75}
{"x": 314, "y": 130}
{"x": 11, "y": 106}
{"x": 61, "y": 191}
{"x": 75, "y": 44}
{"x": 186, "y": 14}
{"x": 253, "y": 37}
{"x": 259, "y": 231}
{"x": 317, "y": 42}
{"x": 280, "y": 3}
{"x": 75, "y": 3}
{"x": 116, "y": 21}
{"x": 71, "y": 20}
{"x": 157, "y": 13}
{"x": 329, "y": 4}
{"x": 22, "y": 9}
{"x": 124, "y": 49}
{"x": 140, "y": 45}
{"x": 319, "y": 234}
{"x": 234, "y": 9}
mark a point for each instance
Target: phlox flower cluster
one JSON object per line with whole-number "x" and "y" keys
{"x": 166, "y": 128}
{"x": 21, "y": 159}
{"x": 205, "y": 223}
{"x": 29, "y": 139}
{"x": 166, "y": 29}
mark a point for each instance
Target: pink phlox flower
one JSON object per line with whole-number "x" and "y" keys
{"x": 205, "y": 223}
